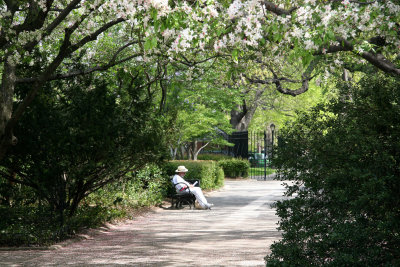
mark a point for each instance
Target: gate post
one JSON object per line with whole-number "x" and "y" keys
{"x": 265, "y": 155}
{"x": 272, "y": 126}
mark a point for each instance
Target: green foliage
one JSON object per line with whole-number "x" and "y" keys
{"x": 344, "y": 161}
{"x": 24, "y": 224}
{"x": 235, "y": 167}
{"x": 283, "y": 107}
{"x": 215, "y": 157}
{"x": 201, "y": 103}
{"x": 81, "y": 136}
{"x": 219, "y": 177}
{"x": 146, "y": 187}
{"x": 208, "y": 172}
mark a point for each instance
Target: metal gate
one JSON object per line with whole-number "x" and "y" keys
{"x": 241, "y": 144}
{"x": 260, "y": 152}
{"x": 257, "y": 148}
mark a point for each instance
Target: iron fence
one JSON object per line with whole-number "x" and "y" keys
{"x": 260, "y": 153}
{"x": 256, "y": 147}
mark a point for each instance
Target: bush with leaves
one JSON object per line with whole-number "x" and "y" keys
{"x": 235, "y": 167}
{"x": 81, "y": 135}
{"x": 145, "y": 187}
{"x": 207, "y": 171}
{"x": 344, "y": 161}
{"x": 215, "y": 157}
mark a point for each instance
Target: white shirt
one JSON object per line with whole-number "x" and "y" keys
{"x": 177, "y": 179}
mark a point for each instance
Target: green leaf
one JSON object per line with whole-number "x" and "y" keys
{"x": 153, "y": 42}
{"x": 235, "y": 54}
{"x": 153, "y": 14}
{"x": 147, "y": 44}
{"x": 150, "y": 43}
{"x": 307, "y": 59}
{"x": 330, "y": 35}
{"x": 156, "y": 25}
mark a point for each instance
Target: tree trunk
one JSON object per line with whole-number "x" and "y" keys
{"x": 240, "y": 120}
{"x": 243, "y": 114}
{"x": 6, "y": 106}
{"x": 197, "y": 151}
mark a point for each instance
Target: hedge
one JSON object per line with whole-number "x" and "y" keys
{"x": 235, "y": 167}
{"x": 210, "y": 174}
{"x": 215, "y": 157}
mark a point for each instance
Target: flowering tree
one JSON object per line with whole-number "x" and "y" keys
{"x": 322, "y": 35}
{"x": 39, "y": 38}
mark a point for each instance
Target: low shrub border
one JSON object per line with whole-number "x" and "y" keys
{"x": 210, "y": 174}
{"x": 215, "y": 157}
{"x": 235, "y": 168}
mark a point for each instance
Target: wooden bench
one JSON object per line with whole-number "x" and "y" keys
{"x": 186, "y": 197}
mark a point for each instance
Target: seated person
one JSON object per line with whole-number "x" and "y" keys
{"x": 183, "y": 186}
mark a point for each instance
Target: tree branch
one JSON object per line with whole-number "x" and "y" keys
{"x": 379, "y": 61}
{"x": 93, "y": 36}
{"x": 60, "y": 18}
{"x": 57, "y": 21}
{"x": 356, "y": 2}
{"x": 272, "y": 7}
{"x": 376, "y": 59}
{"x": 65, "y": 50}
{"x": 306, "y": 77}
{"x": 189, "y": 63}
{"x": 75, "y": 73}
{"x": 35, "y": 18}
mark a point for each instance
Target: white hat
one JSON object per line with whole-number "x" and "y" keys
{"x": 181, "y": 169}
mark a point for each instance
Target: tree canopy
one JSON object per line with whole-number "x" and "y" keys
{"x": 46, "y": 35}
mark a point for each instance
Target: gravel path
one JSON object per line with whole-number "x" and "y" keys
{"x": 236, "y": 232}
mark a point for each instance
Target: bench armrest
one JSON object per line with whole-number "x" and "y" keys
{"x": 176, "y": 189}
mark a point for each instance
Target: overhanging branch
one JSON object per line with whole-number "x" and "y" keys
{"x": 272, "y": 7}
{"x": 376, "y": 59}
{"x": 306, "y": 77}
{"x": 75, "y": 73}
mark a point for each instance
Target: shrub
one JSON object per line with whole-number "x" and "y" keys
{"x": 345, "y": 163}
{"x": 24, "y": 224}
{"x": 145, "y": 187}
{"x": 208, "y": 172}
{"x": 215, "y": 157}
{"x": 74, "y": 142}
{"x": 235, "y": 167}
{"x": 219, "y": 177}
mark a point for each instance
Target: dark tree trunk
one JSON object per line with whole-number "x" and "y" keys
{"x": 6, "y": 106}
{"x": 243, "y": 114}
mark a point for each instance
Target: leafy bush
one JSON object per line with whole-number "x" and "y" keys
{"x": 345, "y": 163}
{"x": 145, "y": 187}
{"x": 208, "y": 172}
{"x": 24, "y": 224}
{"x": 215, "y": 157}
{"x": 219, "y": 177}
{"x": 86, "y": 134}
{"x": 235, "y": 167}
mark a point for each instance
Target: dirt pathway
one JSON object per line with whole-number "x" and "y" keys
{"x": 236, "y": 232}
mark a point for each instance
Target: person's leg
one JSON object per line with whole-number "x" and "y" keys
{"x": 198, "y": 193}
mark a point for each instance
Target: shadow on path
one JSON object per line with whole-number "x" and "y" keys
{"x": 236, "y": 232}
